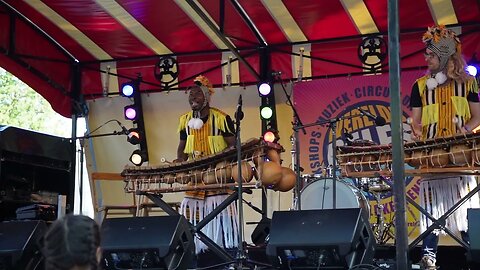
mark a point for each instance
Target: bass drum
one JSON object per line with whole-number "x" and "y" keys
{"x": 319, "y": 195}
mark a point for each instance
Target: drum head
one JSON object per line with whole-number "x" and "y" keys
{"x": 319, "y": 195}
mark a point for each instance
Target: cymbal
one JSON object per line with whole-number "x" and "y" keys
{"x": 379, "y": 188}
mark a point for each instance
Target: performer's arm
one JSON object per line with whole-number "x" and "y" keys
{"x": 416, "y": 124}
{"x": 229, "y": 137}
{"x": 230, "y": 140}
{"x": 416, "y": 105}
{"x": 181, "y": 156}
{"x": 475, "y": 119}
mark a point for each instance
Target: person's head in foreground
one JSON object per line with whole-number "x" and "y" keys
{"x": 72, "y": 243}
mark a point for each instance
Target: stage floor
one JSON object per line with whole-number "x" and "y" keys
{"x": 448, "y": 258}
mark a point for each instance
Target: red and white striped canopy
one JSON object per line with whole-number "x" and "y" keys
{"x": 64, "y": 49}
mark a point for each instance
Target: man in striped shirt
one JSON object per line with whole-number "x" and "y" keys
{"x": 444, "y": 103}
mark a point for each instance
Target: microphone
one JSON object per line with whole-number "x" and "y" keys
{"x": 324, "y": 258}
{"x": 347, "y": 134}
{"x": 379, "y": 121}
{"x": 258, "y": 210}
{"x": 301, "y": 169}
{"x": 347, "y": 137}
{"x": 239, "y": 113}
{"x": 124, "y": 129}
{"x": 276, "y": 73}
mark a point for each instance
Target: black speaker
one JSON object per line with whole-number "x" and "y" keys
{"x": 163, "y": 242}
{"x": 261, "y": 233}
{"x": 473, "y": 216}
{"x": 19, "y": 243}
{"x": 330, "y": 238}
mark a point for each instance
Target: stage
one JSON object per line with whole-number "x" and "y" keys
{"x": 167, "y": 242}
{"x": 448, "y": 258}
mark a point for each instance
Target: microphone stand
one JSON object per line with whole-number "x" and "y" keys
{"x": 81, "y": 152}
{"x": 238, "y": 118}
{"x": 333, "y": 125}
{"x": 241, "y": 257}
{"x": 296, "y": 123}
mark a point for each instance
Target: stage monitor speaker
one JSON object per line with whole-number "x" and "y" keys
{"x": 317, "y": 239}
{"x": 162, "y": 242}
{"x": 19, "y": 243}
{"x": 473, "y": 216}
{"x": 261, "y": 233}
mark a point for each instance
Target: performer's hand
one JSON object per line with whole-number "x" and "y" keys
{"x": 416, "y": 132}
{"x": 415, "y": 128}
{"x": 464, "y": 130}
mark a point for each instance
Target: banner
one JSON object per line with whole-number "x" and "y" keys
{"x": 336, "y": 101}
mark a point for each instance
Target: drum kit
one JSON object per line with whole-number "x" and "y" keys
{"x": 317, "y": 193}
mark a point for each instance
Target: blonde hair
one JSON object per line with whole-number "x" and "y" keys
{"x": 456, "y": 68}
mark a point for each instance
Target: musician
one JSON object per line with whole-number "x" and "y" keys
{"x": 204, "y": 131}
{"x": 444, "y": 103}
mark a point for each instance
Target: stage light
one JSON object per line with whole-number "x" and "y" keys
{"x": 472, "y": 70}
{"x": 266, "y": 112}
{"x": 130, "y": 112}
{"x": 134, "y": 136}
{"x": 269, "y": 136}
{"x": 138, "y": 157}
{"x": 472, "y": 66}
{"x": 128, "y": 89}
{"x": 264, "y": 89}
{"x": 134, "y": 113}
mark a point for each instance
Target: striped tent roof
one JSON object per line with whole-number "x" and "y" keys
{"x": 87, "y": 48}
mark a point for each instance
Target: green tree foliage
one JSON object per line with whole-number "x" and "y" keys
{"x": 22, "y": 107}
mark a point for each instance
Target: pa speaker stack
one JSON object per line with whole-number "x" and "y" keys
{"x": 473, "y": 216}
{"x": 19, "y": 244}
{"x": 316, "y": 239}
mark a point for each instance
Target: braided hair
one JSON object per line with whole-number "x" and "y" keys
{"x": 72, "y": 241}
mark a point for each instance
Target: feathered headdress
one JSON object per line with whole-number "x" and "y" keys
{"x": 443, "y": 42}
{"x": 205, "y": 85}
